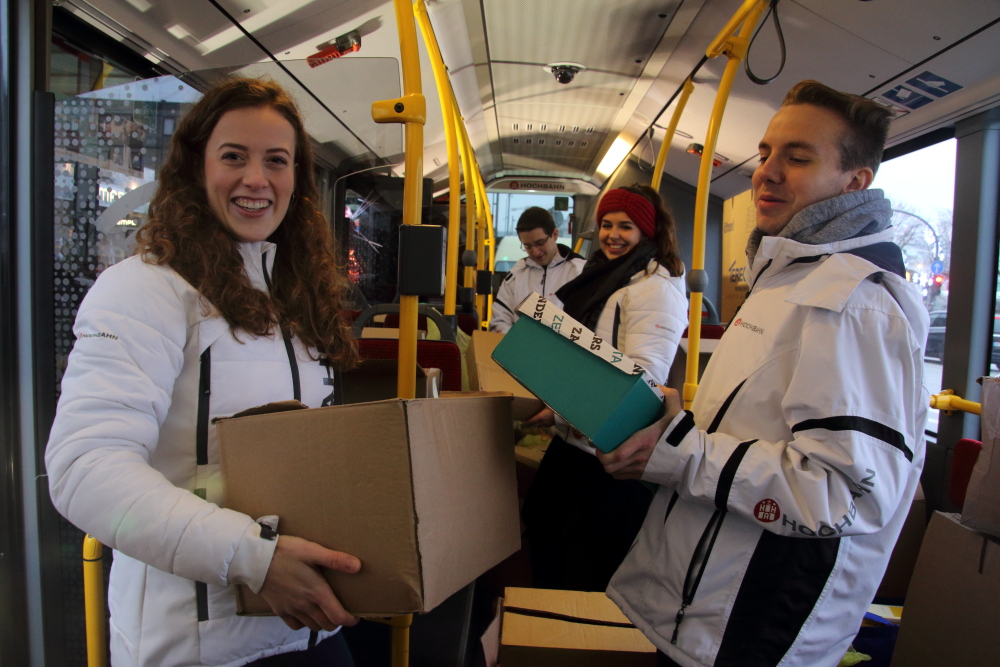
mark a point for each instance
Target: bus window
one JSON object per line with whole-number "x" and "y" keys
{"x": 508, "y": 207}
{"x": 921, "y": 187}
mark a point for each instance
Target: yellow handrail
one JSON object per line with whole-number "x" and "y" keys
{"x": 661, "y": 157}
{"x": 93, "y": 602}
{"x": 470, "y": 196}
{"x": 735, "y": 48}
{"x": 446, "y": 97}
{"x": 411, "y": 110}
{"x": 947, "y": 402}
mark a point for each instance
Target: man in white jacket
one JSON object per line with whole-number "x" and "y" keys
{"x": 782, "y": 493}
{"x": 547, "y": 267}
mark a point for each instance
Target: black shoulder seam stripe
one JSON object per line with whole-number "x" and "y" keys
{"x": 617, "y": 325}
{"x": 806, "y": 260}
{"x": 725, "y": 407}
{"x": 498, "y": 302}
{"x": 683, "y": 427}
{"x": 728, "y": 474}
{"x": 870, "y": 427}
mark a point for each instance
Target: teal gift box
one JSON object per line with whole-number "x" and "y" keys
{"x": 597, "y": 389}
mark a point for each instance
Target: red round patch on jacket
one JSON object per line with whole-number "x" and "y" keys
{"x": 767, "y": 511}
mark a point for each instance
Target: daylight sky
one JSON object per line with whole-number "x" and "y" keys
{"x": 922, "y": 181}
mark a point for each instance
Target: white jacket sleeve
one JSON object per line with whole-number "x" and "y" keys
{"x": 504, "y": 306}
{"x": 652, "y": 322}
{"x": 855, "y": 435}
{"x": 131, "y": 331}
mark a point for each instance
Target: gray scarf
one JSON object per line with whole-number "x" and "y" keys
{"x": 839, "y": 218}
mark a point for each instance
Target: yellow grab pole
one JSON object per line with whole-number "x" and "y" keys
{"x": 579, "y": 244}
{"x": 735, "y": 48}
{"x": 661, "y": 157}
{"x": 93, "y": 601}
{"x": 410, "y": 109}
{"x": 485, "y": 259}
{"x": 947, "y": 402}
{"x": 451, "y": 143}
{"x": 470, "y": 197}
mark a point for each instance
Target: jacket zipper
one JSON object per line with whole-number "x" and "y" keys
{"x": 545, "y": 273}
{"x": 293, "y": 364}
{"x": 699, "y": 559}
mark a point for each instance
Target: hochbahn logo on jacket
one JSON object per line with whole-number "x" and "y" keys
{"x": 767, "y": 511}
{"x": 746, "y": 325}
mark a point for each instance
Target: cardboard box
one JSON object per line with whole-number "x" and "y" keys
{"x": 982, "y": 499}
{"x": 543, "y": 628}
{"x": 898, "y": 573}
{"x": 951, "y": 611}
{"x": 486, "y": 375}
{"x": 422, "y": 491}
{"x": 597, "y": 389}
{"x": 739, "y": 217}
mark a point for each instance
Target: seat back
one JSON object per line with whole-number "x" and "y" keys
{"x": 441, "y": 354}
{"x": 963, "y": 460}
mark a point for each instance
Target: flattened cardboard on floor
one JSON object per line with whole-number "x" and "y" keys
{"x": 422, "y": 491}
{"x": 952, "y": 606}
{"x": 566, "y": 633}
{"x": 487, "y": 375}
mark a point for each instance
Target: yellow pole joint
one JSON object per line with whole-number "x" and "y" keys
{"x": 718, "y": 45}
{"x": 736, "y": 47}
{"x": 406, "y": 109}
{"x": 947, "y": 403}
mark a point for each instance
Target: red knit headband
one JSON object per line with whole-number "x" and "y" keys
{"x": 636, "y": 207}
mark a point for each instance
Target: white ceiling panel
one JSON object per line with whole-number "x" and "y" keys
{"x": 920, "y": 28}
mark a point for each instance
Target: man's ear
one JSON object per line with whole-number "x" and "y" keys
{"x": 861, "y": 179}
{"x": 555, "y": 234}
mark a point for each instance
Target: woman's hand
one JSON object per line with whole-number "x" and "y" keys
{"x": 628, "y": 460}
{"x": 544, "y": 419}
{"x": 295, "y": 587}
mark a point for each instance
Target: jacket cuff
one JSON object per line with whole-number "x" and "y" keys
{"x": 252, "y": 559}
{"x": 665, "y": 465}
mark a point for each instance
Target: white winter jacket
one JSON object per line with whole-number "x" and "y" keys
{"x": 526, "y": 277}
{"x": 134, "y": 461}
{"x": 783, "y": 494}
{"x": 644, "y": 320}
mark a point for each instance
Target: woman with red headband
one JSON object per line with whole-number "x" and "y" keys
{"x": 581, "y": 522}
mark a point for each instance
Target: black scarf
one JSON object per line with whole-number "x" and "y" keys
{"x": 584, "y": 297}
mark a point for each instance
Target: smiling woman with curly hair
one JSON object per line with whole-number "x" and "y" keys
{"x": 232, "y": 300}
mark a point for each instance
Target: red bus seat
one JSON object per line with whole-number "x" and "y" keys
{"x": 430, "y": 354}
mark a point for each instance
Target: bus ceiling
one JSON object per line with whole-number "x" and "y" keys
{"x": 568, "y": 89}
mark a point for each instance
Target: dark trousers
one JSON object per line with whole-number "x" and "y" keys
{"x": 331, "y": 652}
{"x": 663, "y": 661}
{"x": 580, "y": 521}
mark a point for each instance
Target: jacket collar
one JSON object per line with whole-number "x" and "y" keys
{"x": 258, "y": 257}
{"x": 780, "y": 252}
{"x": 563, "y": 254}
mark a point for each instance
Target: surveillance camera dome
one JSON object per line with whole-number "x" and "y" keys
{"x": 565, "y": 72}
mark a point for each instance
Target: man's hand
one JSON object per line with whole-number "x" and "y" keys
{"x": 628, "y": 460}
{"x": 297, "y": 591}
{"x": 544, "y": 419}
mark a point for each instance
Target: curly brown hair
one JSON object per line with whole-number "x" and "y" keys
{"x": 308, "y": 289}
{"x": 666, "y": 233}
